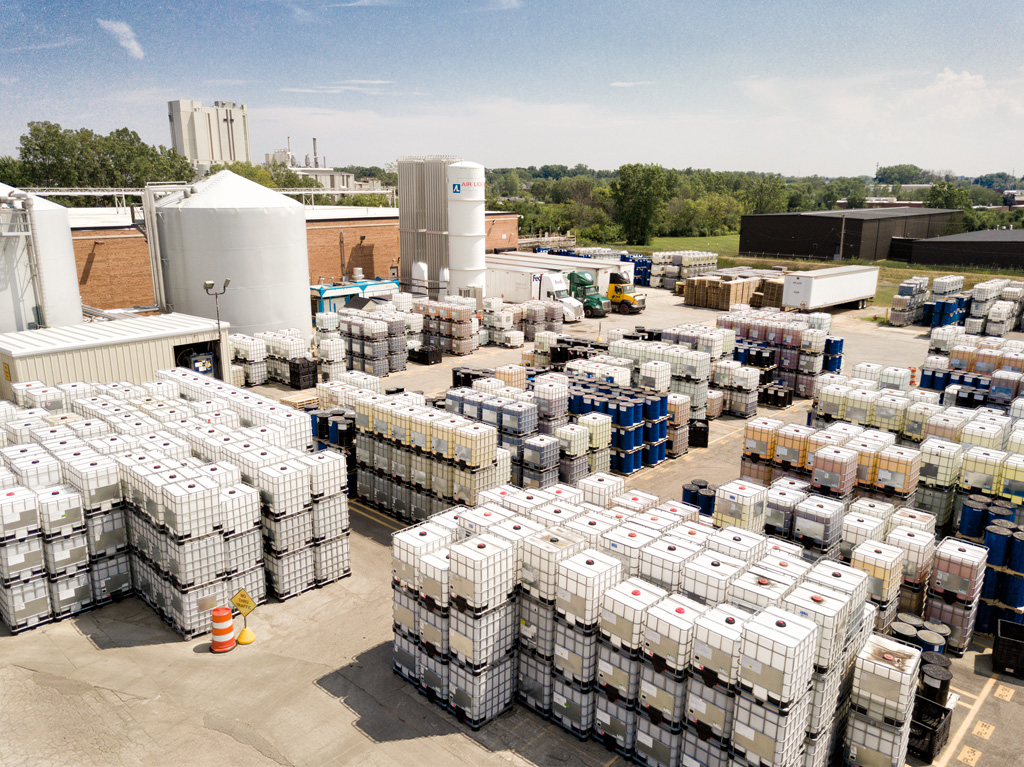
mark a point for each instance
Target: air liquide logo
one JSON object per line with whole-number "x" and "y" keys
{"x": 456, "y": 188}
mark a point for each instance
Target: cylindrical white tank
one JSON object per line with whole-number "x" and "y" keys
{"x": 55, "y": 290}
{"x": 467, "y": 261}
{"x": 233, "y": 228}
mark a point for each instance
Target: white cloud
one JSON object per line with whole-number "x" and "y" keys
{"x": 630, "y": 83}
{"x": 503, "y": 5}
{"x": 227, "y": 81}
{"x": 7, "y": 81}
{"x": 367, "y": 87}
{"x": 65, "y": 42}
{"x": 124, "y": 36}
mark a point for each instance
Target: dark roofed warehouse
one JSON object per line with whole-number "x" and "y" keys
{"x": 863, "y": 233}
{"x": 999, "y": 248}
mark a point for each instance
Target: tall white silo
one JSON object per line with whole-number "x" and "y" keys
{"x": 230, "y": 227}
{"x": 467, "y": 260}
{"x": 35, "y": 229}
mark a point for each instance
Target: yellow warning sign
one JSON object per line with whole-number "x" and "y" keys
{"x": 7, "y": 371}
{"x": 983, "y": 730}
{"x": 969, "y": 756}
{"x": 243, "y": 602}
{"x": 1003, "y": 692}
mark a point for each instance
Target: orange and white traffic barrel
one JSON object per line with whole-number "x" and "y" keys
{"x": 223, "y": 630}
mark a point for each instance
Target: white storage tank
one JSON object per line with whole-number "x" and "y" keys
{"x": 233, "y": 228}
{"x": 33, "y": 227}
{"x": 467, "y": 260}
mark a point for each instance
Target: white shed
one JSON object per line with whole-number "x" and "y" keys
{"x": 130, "y": 349}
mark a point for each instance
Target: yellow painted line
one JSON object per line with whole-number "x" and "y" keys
{"x": 378, "y": 519}
{"x": 962, "y": 692}
{"x": 965, "y": 725}
{"x": 611, "y": 761}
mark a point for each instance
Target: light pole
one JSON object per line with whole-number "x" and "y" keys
{"x": 208, "y": 287}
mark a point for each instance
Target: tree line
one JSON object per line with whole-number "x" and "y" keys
{"x": 638, "y": 202}
{"x": 632, "y": 203}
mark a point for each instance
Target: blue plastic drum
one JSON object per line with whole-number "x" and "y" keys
{"x": 690, "y": 491}
{"x": 998, "y": 541}
{"x": 973, "y": 518}
{"x": 1016, "y": 559}
{"x": 1013, "y": 590}
{"x": 929, "y": 641}
{"x": 991, "y": 585}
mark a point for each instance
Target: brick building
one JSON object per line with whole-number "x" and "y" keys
{"x": 113, "y": 259}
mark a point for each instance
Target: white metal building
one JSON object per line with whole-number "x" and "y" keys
{"x": 131, "y": 349}
{"x": 209, "y": 135}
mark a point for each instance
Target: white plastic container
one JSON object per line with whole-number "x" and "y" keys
{"x": 623, "y": 613}
{"x": 885, "y": 679}
{"x": 717, "y": 642}
{"x": 582, "y": 581}
{"x": 778, "y": 652}
{"x": 483, "y": 573}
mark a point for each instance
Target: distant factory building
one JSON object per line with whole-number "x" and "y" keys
{"x": 997, "y": 248}
{"x": 209, "y": 136}
{"x": 834, "y": 234}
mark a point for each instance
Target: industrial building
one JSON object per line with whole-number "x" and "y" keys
{"x": 129, "y": 349}
{"x": 996, "y": 248}
{"x": 113, "y": 265}
{"x": 840, "y": 234}
{"x": 209, "y": 136}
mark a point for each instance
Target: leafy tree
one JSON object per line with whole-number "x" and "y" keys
{"x": 945, "y": 194}
{"x": 12, "y": 172}
{"x": 902, "y": 174}
{"x": 581, "y": 194}
{"x": 766, "y": 194}
{"x": 50, "y": 155}
{"x": 639, "y": 194}
{"x": 998, "y": 181}
{"x": 856, "y": 200}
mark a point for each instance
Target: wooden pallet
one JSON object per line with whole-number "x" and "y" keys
{"x": 301, "y": 400}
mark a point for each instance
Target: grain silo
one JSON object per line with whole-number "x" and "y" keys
{"x": 38, "y": 279}
{"x": 227, "y": 227}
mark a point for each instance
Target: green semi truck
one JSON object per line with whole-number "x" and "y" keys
{"x": 583, "y": 289}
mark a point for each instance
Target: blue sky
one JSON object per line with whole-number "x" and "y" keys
{"x": 795, "y": 87}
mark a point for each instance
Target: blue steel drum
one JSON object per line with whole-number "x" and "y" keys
{"x": 576, "y": 402}
{"x": 651, "y": 408}
{"x": 1015, "y": 561}
{"x": 707, "y": 501}
{"x": 998, "y": 541}
{"x": 1001, "y": 515}
{"x": 637, "y": 460}
{"x": 1013, "y": 590}
{"x": 690, "y": 491}
{"x": 625, "y": 417}
{"x": 927, "y": 379}
{"x": 740, "y": 354}
{"x": 600, "y": 405}
{"x": 991, "y": 585}
{"x": 940, "y": 380}
{"x": 973, "y": 518}
{"x": 638, "y": 411}
{"x": 663, "y": 406}
{"x": 332, "y": 431}
{"x": 700, "y": 483}
{"x": 929, "y": 641}
{"x": 833, "y": 345}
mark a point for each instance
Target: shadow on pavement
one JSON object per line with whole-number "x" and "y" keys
{"x": 390, "y": 709}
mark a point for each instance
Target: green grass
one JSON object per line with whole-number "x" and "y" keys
{"x": 728, "y": 243}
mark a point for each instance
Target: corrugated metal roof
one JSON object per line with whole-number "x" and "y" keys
{"x": 870, "y": 213}
{"x": 982, "y": 236}
{"x": 31, "y": 343}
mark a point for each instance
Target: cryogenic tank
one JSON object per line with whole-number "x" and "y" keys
{"x": 467, "y": 262}
{"x": 33, "y": 226}
{"x": 230, "y": 227}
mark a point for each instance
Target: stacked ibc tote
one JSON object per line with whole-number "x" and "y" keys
{"x": 161, "y": 496}
{"x": 665, "y": 639}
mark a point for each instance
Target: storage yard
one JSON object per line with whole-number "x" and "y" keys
{"x": 317, "y": 687}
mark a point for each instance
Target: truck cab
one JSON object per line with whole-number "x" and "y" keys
{"x": 622, "y": 293}
{"x": 581, "y": 285}
{"x": 554, "y": 288}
